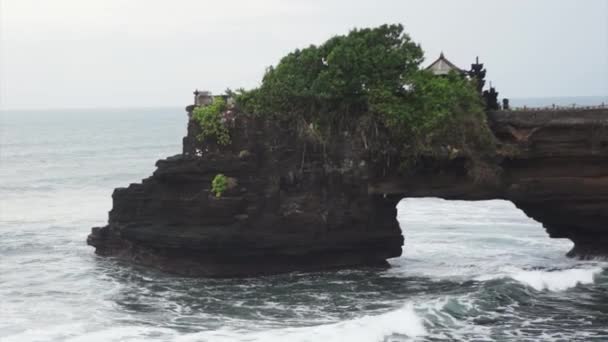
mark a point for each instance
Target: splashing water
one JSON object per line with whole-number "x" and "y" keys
{"x": 469, "y": 271}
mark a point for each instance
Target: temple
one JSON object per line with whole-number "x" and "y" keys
{"x": 442, "y": 67}
{"x": 202, "y": 98}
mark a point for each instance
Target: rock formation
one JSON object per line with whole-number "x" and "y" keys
{"x": 560, "y": 177}
{"x": 294, "y": 204}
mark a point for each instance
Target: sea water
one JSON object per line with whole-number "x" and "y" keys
{"x": 470, "y": 271}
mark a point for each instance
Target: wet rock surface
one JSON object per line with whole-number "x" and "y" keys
{"x": 560, "y": 174}
{"x": 294, "y": 204}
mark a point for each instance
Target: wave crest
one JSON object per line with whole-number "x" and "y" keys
{"x": 540, "y": 280}
{"x": 400, "y": 322}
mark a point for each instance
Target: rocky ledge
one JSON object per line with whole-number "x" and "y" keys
{"x": 293, "y": 204}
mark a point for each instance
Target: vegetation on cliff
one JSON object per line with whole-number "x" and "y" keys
{"x": 210, "y": 120}
{"x": 370, "y": 80}
{"x": 219, "y": 184}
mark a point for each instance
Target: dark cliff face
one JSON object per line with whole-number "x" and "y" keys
{"x": 560, "y": 174}
{"x": 296, "y": 204}
{"x": 292, "y": 206}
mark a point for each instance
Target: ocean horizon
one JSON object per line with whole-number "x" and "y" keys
{"x": 516, "y": 102}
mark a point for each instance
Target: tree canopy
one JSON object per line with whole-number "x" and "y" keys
{"x": 373, "y": 75}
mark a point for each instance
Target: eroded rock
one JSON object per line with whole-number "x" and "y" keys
{"x": 298, "y": 205}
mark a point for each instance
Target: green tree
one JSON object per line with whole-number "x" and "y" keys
{"x": 210, "y": 120}
{"x": 369, "y": 78}
{"x": 339, "y": 75}
{"x": 437, "y": 112}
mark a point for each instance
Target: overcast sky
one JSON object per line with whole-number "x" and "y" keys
{"x": 141, "y": 53}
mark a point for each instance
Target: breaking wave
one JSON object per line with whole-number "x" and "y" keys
{"x": 553, "y": 280}
{"x": 403, "y": 323}
{"x": 469, "y": 271}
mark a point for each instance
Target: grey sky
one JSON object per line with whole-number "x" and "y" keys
{"x": 114, "y": 53}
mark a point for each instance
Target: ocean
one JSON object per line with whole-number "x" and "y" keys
{"x": 470, "y": 271}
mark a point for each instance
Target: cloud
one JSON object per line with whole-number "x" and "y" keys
{"x": 75, "y": 53}
{"x": 77, "y": 19}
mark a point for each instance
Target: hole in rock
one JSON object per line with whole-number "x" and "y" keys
{"x": 450, "y": 238}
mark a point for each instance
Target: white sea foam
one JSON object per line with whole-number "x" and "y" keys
{"x": 400, "y": 322}
{"x": 58, "y": 173}
{"x": 442, "y": 313}
{"x": 539, "y": 280}
{"x": 556, "y": 280}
